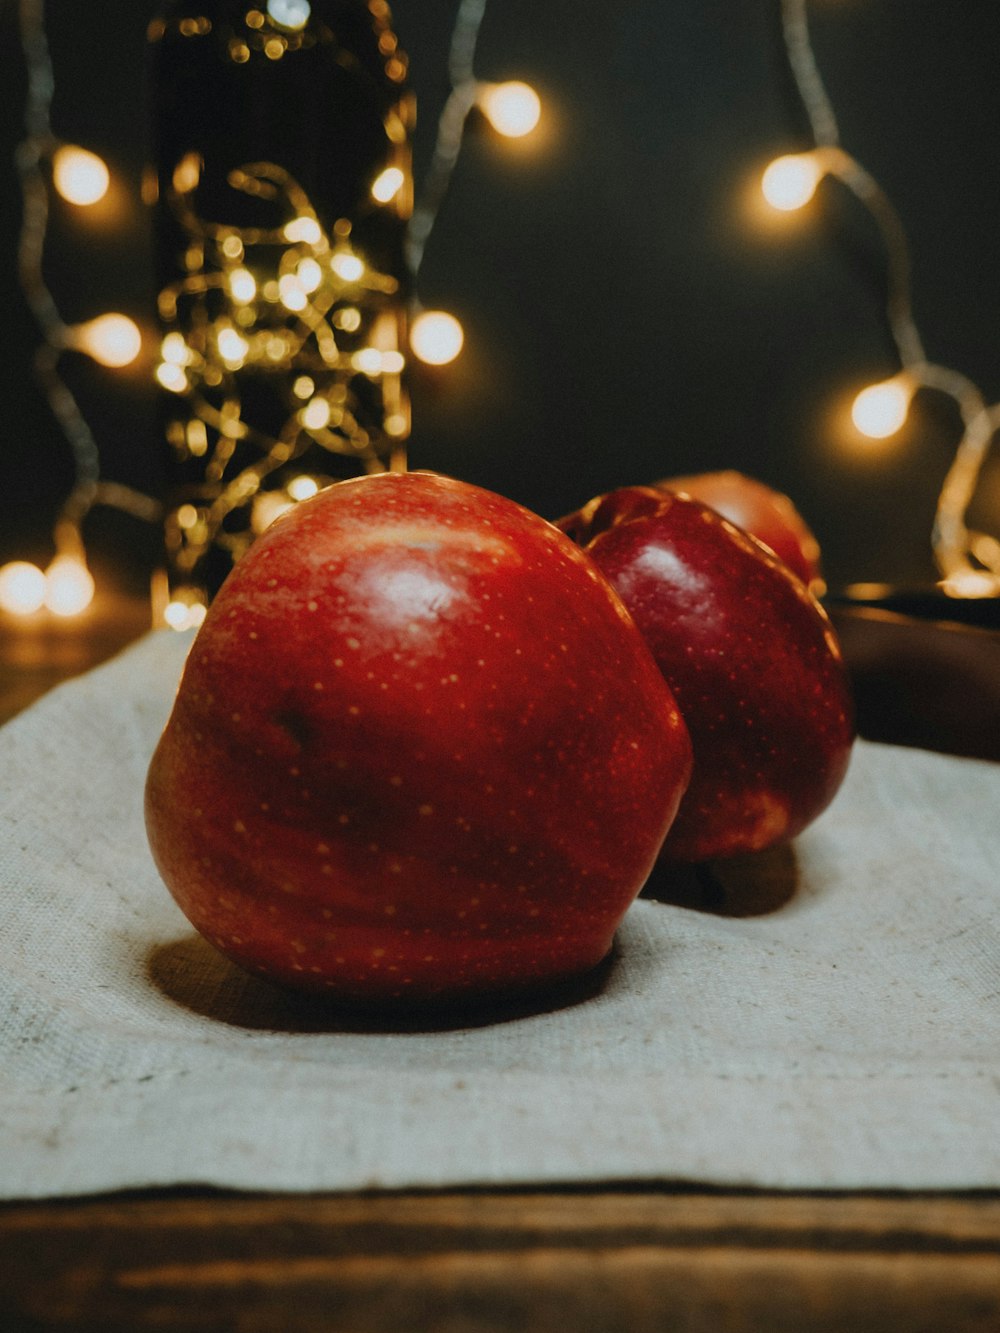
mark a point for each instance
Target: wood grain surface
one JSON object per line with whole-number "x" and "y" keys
{"x": 471, "y": 1262}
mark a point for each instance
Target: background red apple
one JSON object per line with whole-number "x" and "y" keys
{"x": 750, "y": 656}
{"x": 419, "y": 750}
{"x": 765, "y": 513}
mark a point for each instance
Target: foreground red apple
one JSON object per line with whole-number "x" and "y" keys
{"x": 419, "y": 750}
{"x": 750, "y": 656}
{"x": 765, "y": 513}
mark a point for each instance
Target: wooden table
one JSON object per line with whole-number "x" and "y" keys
{"x": 589, "y": 1260}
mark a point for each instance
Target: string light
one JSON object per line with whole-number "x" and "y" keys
{"x": 112, "y": 340}
{"x": 82, "y": 178}
{"x": 322, "y": 290}
{"x": 789, "y": 182}
{"x": 881, "y": 410}
{"x": 292, "y": 316}
{"x": 513, "y": 109}
{"x": 436, "y": 337}
{"x": 968, "y": 561}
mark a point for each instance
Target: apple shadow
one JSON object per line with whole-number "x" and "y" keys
{"x": 192, "y": 974}
{"x": 755, "y": 884}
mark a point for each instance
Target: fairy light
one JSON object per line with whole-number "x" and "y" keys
{"x": 69, "y": 586}
{"x": 22, "y": 588}
{"x": 436, "y": 337}
{"x": 82, "y": 178}
{"x": 968, "y": 561}
{"x": 111, "y": 340}
{"x": 513, "y": 109}
{"x": 789, "y": 182}
{"x": 292, "y": 317}
{"x": 881, "y": 410}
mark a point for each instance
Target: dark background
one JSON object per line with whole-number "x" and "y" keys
{"x": 629, "y": 311}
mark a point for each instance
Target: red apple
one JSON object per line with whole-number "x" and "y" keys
{"x": 750, "y": 656}
{"x": 419, "y": 750}
{"x": 765, "y": 513}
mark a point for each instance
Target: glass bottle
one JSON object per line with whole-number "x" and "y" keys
{"x": 283, "y": 184}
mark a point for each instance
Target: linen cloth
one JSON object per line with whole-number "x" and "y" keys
{"x": 835, "y": 1024}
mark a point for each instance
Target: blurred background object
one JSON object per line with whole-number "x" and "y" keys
{"x": 631, "y": 307}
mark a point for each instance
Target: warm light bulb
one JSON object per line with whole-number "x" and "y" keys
{"x": 22, "y": 588}
{"x": 309, "y": 275}
{"x": 790, "y": 181}
{"x": 303, "y": 229}
{"x": 232, "y": 347}
{"x": 243, "y": 285}
{"x": 174, "y": 349}
{"x": 316, "y": 414}
{"x": 289, "y": 14}
{"x": 80, "y": 176}
{"x": 69, "y": 587}
{"x": 436, "y": 337}
{"x": 181, "y": 615}
{"x": 513, "y": 109}
{"x": 112, "y": 340}
{"x": 291, "y": 293}
{"x": 880, "y": 410}
{"x": 302, "y": 488}
{"x": 171, "y": 377}
{"x": 368, "y": 360}
{"x": 348, "y": 267}
{"x": 388, "y": 185}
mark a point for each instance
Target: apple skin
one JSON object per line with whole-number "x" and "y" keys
{"x": 750, "y": 656}
{"x": 765, "y": 513}
{"x": 419, "y": 752}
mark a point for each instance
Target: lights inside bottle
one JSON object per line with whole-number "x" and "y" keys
{"x": 513, "y": 108}
{"x": 80, "y": 176}
{"x": 789, "y": 182}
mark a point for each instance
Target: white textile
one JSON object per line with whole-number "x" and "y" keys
{"x": 843, "y": 1032}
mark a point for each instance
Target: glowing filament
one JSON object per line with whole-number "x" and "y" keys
{"x": 69, "y": 587}
{"x": 436, "y": 337}
{"x": 388, "y": 185}
{"x": 368, "y": 361}
{"x": 22, "y": 588}
{"x": 112, "y": 340}
{"x": 175, "y": 350}
{"x": 881, "y": 410}
{"x": 304, "y": 387}
{"x": 79, "y": 176}
{"x": 790, "y": 181}
{"x": 513, "y": 109}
